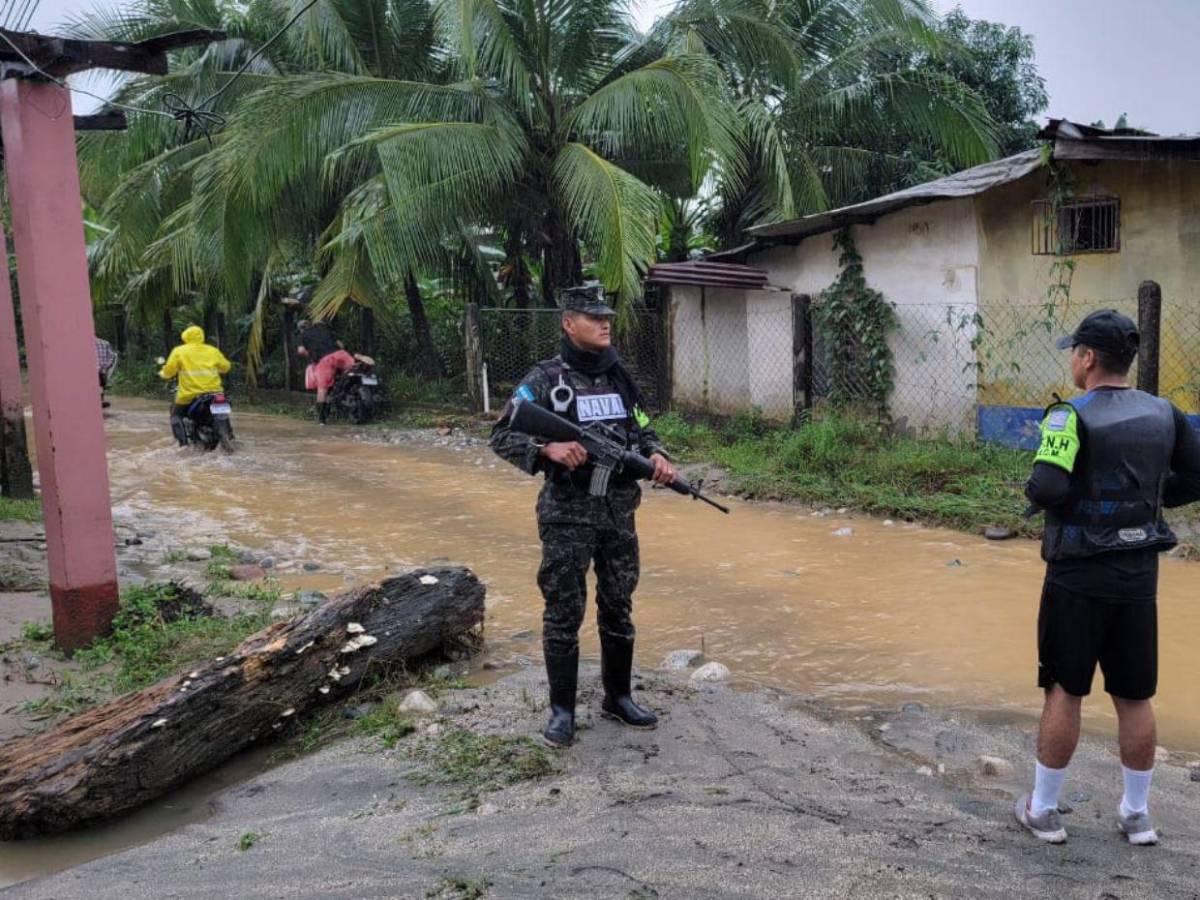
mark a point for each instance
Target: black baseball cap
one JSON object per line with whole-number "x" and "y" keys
{"x": 587, "y": 299}
{"x": 1106, "y": 330}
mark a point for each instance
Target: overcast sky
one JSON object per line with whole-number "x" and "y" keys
{"x": 1100, "y": 58}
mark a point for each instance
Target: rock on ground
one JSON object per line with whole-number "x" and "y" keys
{"x": 736, "y": 795}
{"x": 247, "y": 572}
{"x": 710, "y": 672}
{"x": 680, "y": 660}
{"x": 418, "y": 702}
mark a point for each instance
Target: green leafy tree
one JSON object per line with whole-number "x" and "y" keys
{"x": 833, "y": 93}
{"x": 997, "y": 61}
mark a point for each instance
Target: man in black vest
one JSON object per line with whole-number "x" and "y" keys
{"x": 1109, "y": 462}
{"x": 586, "y": 382}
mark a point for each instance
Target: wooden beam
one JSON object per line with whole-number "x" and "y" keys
{"x": 59, "y": 57}
{"x": 106, "y": 121}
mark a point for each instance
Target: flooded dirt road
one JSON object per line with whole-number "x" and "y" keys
{"x": 884, "y": 614}
{"x": 848, "y": 610}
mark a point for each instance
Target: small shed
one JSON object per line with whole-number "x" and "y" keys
{"x": 730, "y": 337}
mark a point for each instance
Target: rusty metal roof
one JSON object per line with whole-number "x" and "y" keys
{"x": 1070, "y": 141}
{"x": 967, "y": 183}
{"x": 709, "y": 274}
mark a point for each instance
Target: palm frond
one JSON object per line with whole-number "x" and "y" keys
{"x": 676, "y": 100}
{"x": 617, "y": 216}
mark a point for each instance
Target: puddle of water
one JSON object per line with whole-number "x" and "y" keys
{"x": 884, "y": 615}
{"x": 876, "y": 618}
{"x": 22, "y": 860}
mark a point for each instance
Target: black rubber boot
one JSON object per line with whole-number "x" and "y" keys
{"x": 616, "y": 671}
{"x": 323, "y": 413}
{"x": 563, "y": 674}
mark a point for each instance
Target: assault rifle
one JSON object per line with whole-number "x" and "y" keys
{"x": 604, "y": 447}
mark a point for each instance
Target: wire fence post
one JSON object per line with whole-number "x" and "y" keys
{"x": 1150, "y": 327}
{"x": 473, "y": 349}
{"x": 666, "y": 351}
{"x": 802, "y": 357}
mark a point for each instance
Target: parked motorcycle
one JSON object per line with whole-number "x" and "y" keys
{"x": 357, "y": 394}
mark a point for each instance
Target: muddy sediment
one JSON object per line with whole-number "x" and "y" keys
{"x": 737, "y": 794}
{"x": 740, "y": 793}
{"x": 849, "y": 609}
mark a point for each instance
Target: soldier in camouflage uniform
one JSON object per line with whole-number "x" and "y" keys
{"x": 586, "y": 382}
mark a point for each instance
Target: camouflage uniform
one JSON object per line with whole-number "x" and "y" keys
{"x": 577, "y": 529}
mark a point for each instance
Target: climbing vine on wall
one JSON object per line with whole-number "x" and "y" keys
{"x": 855, "y": 322}
{"x": 1062, "y": 270}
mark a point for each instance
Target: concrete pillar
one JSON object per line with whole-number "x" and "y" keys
{"x": 16, "y": 475}
{"x": 56, "y": 308}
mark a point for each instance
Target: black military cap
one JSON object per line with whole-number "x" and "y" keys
{"x": 587, "y": 299}
{"x": 1106, "y": 330}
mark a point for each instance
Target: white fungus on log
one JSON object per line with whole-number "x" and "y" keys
{"x": 355, "y": 628}
{"x": 159, "y": 723}
{"x": 428, "y": 579}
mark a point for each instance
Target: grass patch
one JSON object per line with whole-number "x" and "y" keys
{"x": 159, "y": 630}
{"x": 455, "y": 888}
{"x": 485, "y": 762}
{"x": 20, "y": 510}
{"x": 37, "y": 632}
{"x": 844, "y": 461}
{"x": 248, "y": 840}
{"x": 387, "y": 723}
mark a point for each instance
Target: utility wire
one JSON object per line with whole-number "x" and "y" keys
{"x": 177, "y": 107}
{"x": 257, "y": 53}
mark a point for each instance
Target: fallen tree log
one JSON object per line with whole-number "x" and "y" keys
{"x": 111, "y": 759}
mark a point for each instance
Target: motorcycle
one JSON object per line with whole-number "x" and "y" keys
{"x": 207, "y": 424}
{"x": 356, "y": 393}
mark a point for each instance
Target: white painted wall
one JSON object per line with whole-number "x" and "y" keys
{"x": 925, "y": 260}
{"x": 732, "y": 350}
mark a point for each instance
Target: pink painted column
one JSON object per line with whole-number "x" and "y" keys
{"x": 56, "y": 308}
{"x": 16, "y": 476}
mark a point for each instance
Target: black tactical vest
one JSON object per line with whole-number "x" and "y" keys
{"x": 590, "y": 403}
{"x": 1126, "y": 441}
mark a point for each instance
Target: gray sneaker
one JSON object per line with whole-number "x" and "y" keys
{"x": 1046, "y": 827}
{"x": 1137, "y": 828}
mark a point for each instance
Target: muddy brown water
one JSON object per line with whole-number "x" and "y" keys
{"x": 885, "y": 615}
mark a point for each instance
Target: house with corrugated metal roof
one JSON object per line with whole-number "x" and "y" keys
{"x": 983, "y": 269}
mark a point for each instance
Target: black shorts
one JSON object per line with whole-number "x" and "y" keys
{"x": 1075, "y": 632}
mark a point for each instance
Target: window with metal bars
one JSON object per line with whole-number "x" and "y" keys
{"x": 1081, "y": 225}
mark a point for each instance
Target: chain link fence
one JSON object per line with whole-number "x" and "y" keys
{"x": 961, "y": 369}
{"x": 512, "y": 341}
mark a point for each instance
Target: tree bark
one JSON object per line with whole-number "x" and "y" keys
{"x": 111, "y": 759}
{"x": 168, "y": 332}
{"x": 562, "y": 266}
{"x": 428, "y": 363}
{"x": 368, "y": 330}
{"x": 291, "y": 362}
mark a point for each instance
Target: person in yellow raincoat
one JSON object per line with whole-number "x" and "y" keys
{"x": 199, "y": 367}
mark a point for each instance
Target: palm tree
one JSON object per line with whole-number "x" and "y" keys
{"x": 539, "y": 119}
{"x": 822, "y": 86}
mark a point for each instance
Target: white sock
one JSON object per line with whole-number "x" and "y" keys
{"x": 1047, "y": 785}
{"x": 1137, "y": 790}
